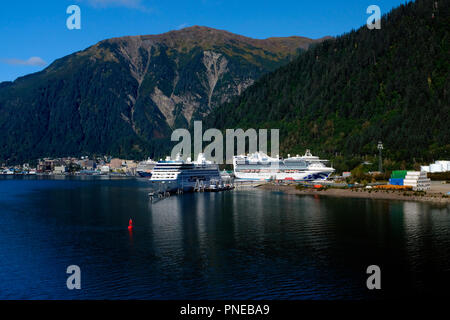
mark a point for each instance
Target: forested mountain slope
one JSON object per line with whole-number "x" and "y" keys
{"x": 343, "y": 95}
{"x": 124, "y": 96}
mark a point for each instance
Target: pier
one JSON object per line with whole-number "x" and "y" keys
{"x": 165, "y": 191}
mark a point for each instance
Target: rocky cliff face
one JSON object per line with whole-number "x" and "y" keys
{"x": 124, "y": 96}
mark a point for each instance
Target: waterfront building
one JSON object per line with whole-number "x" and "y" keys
{"x": 59, "y": 169}
{"x": 104, "y": 169}
{"x": 438, "y": 166}
{"x": 116, "y": 163}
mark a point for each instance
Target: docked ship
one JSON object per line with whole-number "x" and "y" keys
{"x": 259, "y": 166}
{"x": 188, "y": 175}
{"x": 144, "y": 168}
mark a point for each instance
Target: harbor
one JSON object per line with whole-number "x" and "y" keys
{"x": 303, "y": 175}
{"x": 276, "y": 245}
{"x": 265, "y": 223}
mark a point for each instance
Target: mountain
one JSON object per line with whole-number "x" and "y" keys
{"x": 344, "y": 95}
{"x": 124, "y": 96}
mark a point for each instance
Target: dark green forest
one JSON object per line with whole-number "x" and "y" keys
{"x": 123, "y": 97}
{"x": 338, "y": 98}
{"x": 343, "y": 95}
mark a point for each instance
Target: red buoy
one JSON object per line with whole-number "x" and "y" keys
{"x": 130, "y": 224}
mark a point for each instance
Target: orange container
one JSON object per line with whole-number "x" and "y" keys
{"x": 393, "y": 187}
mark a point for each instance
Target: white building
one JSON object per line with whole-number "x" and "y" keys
{"x": 104, "y": 169}
{"x": 59, "y": 170}
{"x": 438, "y": 166}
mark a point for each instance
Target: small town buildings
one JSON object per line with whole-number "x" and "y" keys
{"x": 104, "y": 169}
{"x": 59, "y": 169}
{"x": 88, "y": 164}
{"x": 116, "y": 163}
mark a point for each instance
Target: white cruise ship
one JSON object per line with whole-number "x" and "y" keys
{"x": 144, "y": 168}
{"x": 186, "y": 175}
{"x": 259, "y": 166}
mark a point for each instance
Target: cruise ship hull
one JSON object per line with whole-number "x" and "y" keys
{"x": 259, "y": 167}
{"x": 298, "y": 176}
{"x": 184, "y": 184}
{"x": 188, "y": 181}
{"x": 175, "y": 175}
{"x": 144, "y": 174}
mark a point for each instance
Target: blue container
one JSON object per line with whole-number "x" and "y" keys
{"x": 396, "y": 181}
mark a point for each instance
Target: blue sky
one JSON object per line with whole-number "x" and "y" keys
{"x": 34, "y": 33}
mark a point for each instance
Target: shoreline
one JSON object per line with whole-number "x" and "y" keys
{"x": 434, "y": 197}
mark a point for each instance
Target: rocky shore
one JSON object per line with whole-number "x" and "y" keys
{"x": 431, "y": 196}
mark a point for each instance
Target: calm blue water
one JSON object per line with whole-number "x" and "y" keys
{"x": 251, "y": 244}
